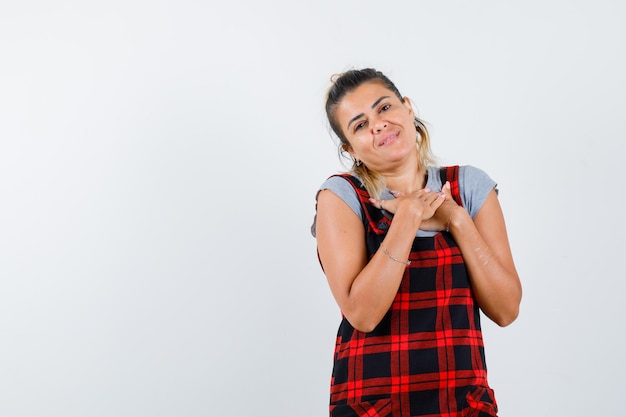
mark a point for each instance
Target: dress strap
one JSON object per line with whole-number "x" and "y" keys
{"x": 451, "y": 173}
{"x": 373, "y": 217}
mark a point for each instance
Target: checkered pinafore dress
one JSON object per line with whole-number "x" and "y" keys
{"x": 426, "y": 356}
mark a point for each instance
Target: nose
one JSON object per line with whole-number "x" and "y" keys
{"x": 379, "y": 125}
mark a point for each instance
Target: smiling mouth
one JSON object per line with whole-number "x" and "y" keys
{"x": 388, "y": 139}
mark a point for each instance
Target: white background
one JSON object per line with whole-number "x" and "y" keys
{"x": 158, "y": 166}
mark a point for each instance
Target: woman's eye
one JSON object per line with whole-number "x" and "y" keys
{"x": 385, "y": 107}
{"x": 359, "y": 126}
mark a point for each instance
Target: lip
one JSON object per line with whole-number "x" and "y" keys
{"x": 388, "y": 139}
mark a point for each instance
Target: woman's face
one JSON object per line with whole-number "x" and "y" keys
{"x": 378, "y": 125}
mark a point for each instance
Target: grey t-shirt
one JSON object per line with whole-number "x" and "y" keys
{"x": 474, "y": 186}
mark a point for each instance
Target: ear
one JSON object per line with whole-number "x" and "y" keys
{"x": 407, "y": 103}
{"x": 348, "y": 148}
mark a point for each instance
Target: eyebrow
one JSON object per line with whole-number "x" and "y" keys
{"x": 358, "y": 116}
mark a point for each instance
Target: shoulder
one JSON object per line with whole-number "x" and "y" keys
{"x": 475, "y": 179}
{"x": 467, "y": 174}
{"x": 343, "y": 186}
{"x": 475, "y": 185}
{"x": 470, "y": 173}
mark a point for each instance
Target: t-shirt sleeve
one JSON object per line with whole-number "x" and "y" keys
{"x": 475, "y": 186}
{"x": 344, "y": 190}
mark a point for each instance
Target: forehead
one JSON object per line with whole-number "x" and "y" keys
{"x": 372, "y": 90}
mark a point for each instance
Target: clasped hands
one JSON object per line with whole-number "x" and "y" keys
{"x": 436, "y": 207}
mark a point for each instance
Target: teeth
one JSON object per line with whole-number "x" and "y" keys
{"x": 388, "y": 139}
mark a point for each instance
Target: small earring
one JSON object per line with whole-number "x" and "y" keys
{"x": 417, "y": 131}
{"x": 357, "y": 162}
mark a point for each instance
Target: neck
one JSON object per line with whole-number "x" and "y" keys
{"x": 407, "y": 180}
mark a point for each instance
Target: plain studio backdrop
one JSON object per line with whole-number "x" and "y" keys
{"x": 158, "y": 167}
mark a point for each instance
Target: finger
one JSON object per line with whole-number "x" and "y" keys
{"x": 432, "y": 197}
{"x": 437, "y": 202}
{"x": 446, "y": 190}
{"x": 377, "y": 203}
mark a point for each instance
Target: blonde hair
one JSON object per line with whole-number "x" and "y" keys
{"x": 344, "y": 83}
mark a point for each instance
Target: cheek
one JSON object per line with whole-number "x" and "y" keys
{"x": 359, "y": 140}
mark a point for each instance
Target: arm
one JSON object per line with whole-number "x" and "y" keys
{"x": 364, "y": 289}
{"x": 485, "y": 248}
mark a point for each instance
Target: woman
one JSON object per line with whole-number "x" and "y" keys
{"x": 411, "y": 253}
